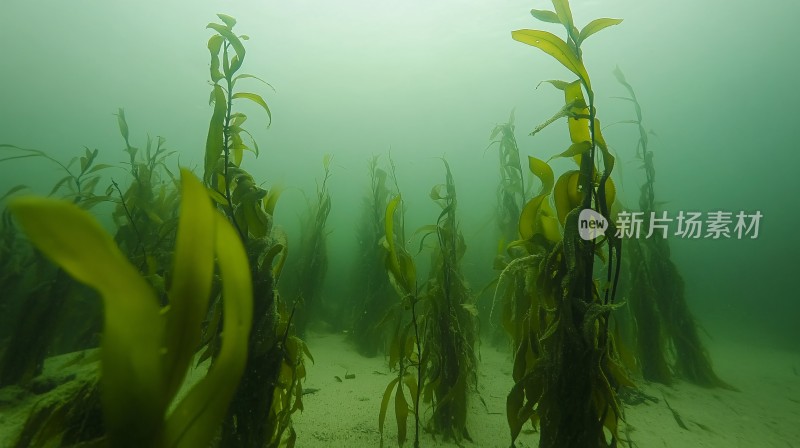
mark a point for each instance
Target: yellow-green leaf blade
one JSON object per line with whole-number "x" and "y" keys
{"x": 237, "y": 45}
{"x": 401, "y": 414}
{"x": 543, "y": 171}
{"x": 545, "y": 16}
{"x": 564, "y": 13}
{"x": 197, "y": 417}
{"x": 527, "y": 218}
{"x": 214, "y": 45}
{"x": 595, "y": 26}
{"x": 555, "y": 47}
{"x": 387, "y": 395}
{"x": 565, "y": 194}
{"x": 214, "y": 140}
{"x": 574, "y": 150}
{"x": 388, "y": 227}
{"x": 256, "y": 99}
{"x": 133, "y": 328}
{"x": 193, "y": 269}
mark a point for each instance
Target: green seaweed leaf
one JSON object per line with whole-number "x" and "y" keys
{"x": 543, "y": 171}
{"x": 146, "y": 350}
{"x": 214, "y": 45}
{"x": 388, "y": 227}
{"x": 527, "y": 219}
{"x": 229, "y": 21}
{"x": 247, "y": 75}
{"x": 235, "y": 42}
{"x": 256, "y": 99}
{"x": 564, "y": 13}
{"x": 545, "y": 16}
{"x": 595, "y": 26}
{"x": 197, "y": 417}
{"x": 574, "y": 150}
{"x": 387, "y": 395}
{"x": 555, "y": 47}
{"x": 133, "y": 328}
{"x": 401, "y": 414}
{"x": 191, "y": 282}
{"x": 214, "y": 140}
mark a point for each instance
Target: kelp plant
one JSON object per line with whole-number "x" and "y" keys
{"x": 438, "y": 337}
{"x": 405, "y": 345}
{"x": 511, "y": 198}
{"x": 656, "y": 289}
{"x": 311, "y": 265}
{"x": 372, "y": 291}
{"x": 270, "y": 390}
{"x": 511, "y": 190}
{"x": 146, "y": 348}
{"x": 565, "y": 369}
{"x": 146, "y": 212}
{"x": 449, "y": 313}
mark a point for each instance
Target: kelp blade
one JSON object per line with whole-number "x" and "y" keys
{"x": 197, "y": 417}
{"x": 193, "y": 269}
{"x": 132, "y": 379}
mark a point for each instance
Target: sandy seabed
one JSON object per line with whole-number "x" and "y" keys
{"x": 343, "y": 412}
{"x": 764, "y": 413}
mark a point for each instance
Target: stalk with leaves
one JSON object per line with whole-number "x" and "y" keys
{"x": 449, "y": 319}
{"x": 405, "y": 345}
{"x": 270, "y": 390}
{"x": 661, "y": 315}
{"x": 566, "y": 371}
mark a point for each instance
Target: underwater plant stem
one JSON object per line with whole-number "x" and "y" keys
{"x": 419, "y": 371}
{"x": 519, "y": 167}
{"x": 587, "y": 184}
{"x": 226, "y": 135}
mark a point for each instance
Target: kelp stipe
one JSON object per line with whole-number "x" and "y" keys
{"x": 270, "y": 389}
{"x": 565, "y": 368}
{"x": 146, "y": 349}
{"x": 663, "y": 319}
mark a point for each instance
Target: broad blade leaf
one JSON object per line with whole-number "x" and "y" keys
{"x": 527, "y": 219}
{"x": 543, "y": 171}
{"x": 235, "y": 43}
{"x": 595, "y": 26}
{"x": 563, "y": 12}
{"x": 197, "y": 417}
{"x": 246, "y": 75}
{"x": 132, "y": 380}
{"x": 401, "y": 414}
{"x": 227, "y": 20}
{"x": 574, "y": 150}
{"x": 545, "y": 16}
{"x": 256, "y": 99}
{"x": 554, "y": 46}
{"x": 214, "y": 45}
{"x": 387, "y": 395}
{"x": 191, "y": 280}
{"x": 214, "y": 140}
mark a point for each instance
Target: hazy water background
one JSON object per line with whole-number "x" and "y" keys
{"x": 716, "y": 80}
